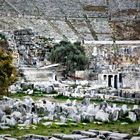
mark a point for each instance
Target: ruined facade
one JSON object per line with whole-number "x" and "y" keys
{"x": 117, "y": 65}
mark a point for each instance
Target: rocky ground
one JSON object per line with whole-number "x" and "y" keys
{"x": 78, "y": 135}
{"x": 24, "y": 116}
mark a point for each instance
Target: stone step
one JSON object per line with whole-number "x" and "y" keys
{"x": 9, "y": 138}
{"x": 94, "y": 131}
{"x": 135, "y": 138}
{"x": 86, "y": 133}
{"x": 5, "y": 135}
{"x": 53, "y": 138}
{"x": 105, "y": 133}
{"x": 73, "y": 137}
{"x": 33, "y": 136}
{"x": 91, "y": 139}
{"x": 120, "y": 136}
{"x": 59, "y": 136}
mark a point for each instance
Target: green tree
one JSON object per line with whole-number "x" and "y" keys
{"x": 7, "y": 70}
{"x": 70, "y": 55}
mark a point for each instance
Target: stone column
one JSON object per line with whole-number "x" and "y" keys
{"x": 118, "y": 81}
{"x": 110, "y": 77}
{"x": 113, "y": 80}
{"x": 54, "y": 76}
{"x": 137, "y": 85}
{"x": 106, "y": 81}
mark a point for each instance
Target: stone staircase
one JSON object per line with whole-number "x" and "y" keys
{"x": 57, "y": 29}
{"x": 93, "y": 33}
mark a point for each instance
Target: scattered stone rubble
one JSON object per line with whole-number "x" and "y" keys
{"x": 31, "y": 88}
{"x": 27, "y": 111}
{"x": 82, "y": 89}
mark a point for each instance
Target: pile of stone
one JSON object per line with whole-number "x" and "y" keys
{"x": 27, "y": 111}
{"x": 31, "y": 87}
{"x": 94, "y": 92}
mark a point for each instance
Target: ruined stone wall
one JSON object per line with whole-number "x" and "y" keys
{"x": 131, "y": 80}
{"x": 128, "y": 54}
